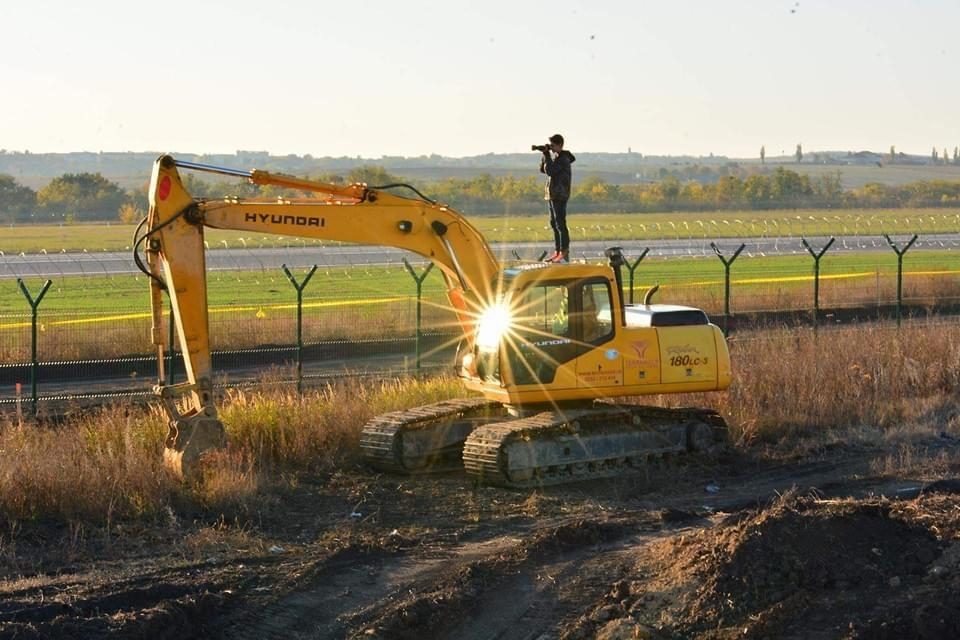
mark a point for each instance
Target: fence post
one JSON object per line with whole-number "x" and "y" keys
{"x": 900, "y": 252}
{"x": 816, "y": 275}
{"x": 34, "y": 362}
{"x": 299, "y": 287}
{"x": 726, "y": 279}
{"x": 632, "y": 266}
{"x": 419, "y": 280}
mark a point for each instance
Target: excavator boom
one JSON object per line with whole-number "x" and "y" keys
{"x": 353, "y": 213}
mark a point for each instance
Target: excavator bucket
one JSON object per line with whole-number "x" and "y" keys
{"x": 189, "y": 440}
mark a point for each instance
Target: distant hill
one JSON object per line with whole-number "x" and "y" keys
{"x": 132, "y": 169}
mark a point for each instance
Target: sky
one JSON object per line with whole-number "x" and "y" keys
{"x": 459, "y": 78}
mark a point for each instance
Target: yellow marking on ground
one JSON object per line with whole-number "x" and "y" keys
{"x": 271, "y": 307}
{"x": 807, "y": 278}
{"x": 836, "y": 276}
{"x": 369, "y": 301}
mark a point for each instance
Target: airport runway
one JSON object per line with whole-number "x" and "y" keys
{"x": 341, "y": 255}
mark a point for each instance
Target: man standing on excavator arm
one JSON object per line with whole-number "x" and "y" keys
{"x": 555, "y": 163}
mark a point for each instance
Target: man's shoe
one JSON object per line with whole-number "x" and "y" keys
{"x": 562, "y": 257}
{"x": 552, "y": 257}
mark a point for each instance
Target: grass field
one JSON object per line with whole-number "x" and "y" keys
{"x": 854, "y": 176}
{"x": 354, "y": 285}
{"x": 88, "y": 317}
{"x": 600, "y": 226}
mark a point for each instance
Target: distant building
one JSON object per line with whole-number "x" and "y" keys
{"x": 864, "y": 158}
{"x": 253, "y": 155}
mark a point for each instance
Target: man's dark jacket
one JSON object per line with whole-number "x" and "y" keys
{"x": 558, "y": 173}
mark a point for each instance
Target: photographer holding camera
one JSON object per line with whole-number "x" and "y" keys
{"x": 555, "y": 164}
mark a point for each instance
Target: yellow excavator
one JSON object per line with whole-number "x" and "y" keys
{"x": 550, "y": 347}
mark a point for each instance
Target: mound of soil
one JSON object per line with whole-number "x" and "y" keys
{"x": 800, "y": 568}
{"x": 433, "y": 611}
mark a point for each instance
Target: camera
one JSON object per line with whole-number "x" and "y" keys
{"x": 540, "y": 147}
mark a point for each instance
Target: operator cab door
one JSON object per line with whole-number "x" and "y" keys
{"x": 545, "y": 341}
{"x": 601, "y": 364}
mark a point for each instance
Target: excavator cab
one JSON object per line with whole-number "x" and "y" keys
{"x": 557, "y": 331}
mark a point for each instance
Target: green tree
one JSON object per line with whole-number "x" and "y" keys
{"x": 329, "y": 177}
{"x": 763, "y": 154}
{"x": 799, "y": 154}
{"x": 372, "y": 175}
{"x": 198, "y": 187}
{"x": 756, "y": 189}
{"x": 893, "y": 154}
{"x": 729, "y": 191}
{"x": 788, "y": 187}
{"x": 16, "y": 200}
{"x": 874, "y": 194}
{"x": 668, "y": 190}
{"x": 81, "y": 195}
{"x": 129, "y": 213}
{"x": 508, "y": 190}
{"x": 481, "y": 188}
{"x": 592, "y": 188}
{"x": 829, "y": 187}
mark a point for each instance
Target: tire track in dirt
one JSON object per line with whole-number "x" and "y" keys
{"x": 538, "y": 601}
{"x": 480, "y": 589}
{"x": 326, "y": 595}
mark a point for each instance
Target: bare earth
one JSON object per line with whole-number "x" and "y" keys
{"x": 827, "y": 543}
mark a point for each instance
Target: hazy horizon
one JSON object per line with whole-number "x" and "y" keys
{"x": 459, "y": 79}
{"x": 788, "y": 154}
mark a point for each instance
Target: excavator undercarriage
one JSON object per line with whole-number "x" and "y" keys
{"x": 548, "y": 447}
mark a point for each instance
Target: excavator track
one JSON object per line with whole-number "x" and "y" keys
{"x": 425, "y": 439}
{"x": 606, "y": 440}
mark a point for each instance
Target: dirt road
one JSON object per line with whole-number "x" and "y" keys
{"x": 747, "y": 546}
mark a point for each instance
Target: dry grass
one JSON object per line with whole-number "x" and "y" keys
{"x": 797, "y": 382}
{"x": 321, "y": 430}
{"x": 913, "y": 460}
{"x": 100, "y": 468}
{"x": 105, "y": 467}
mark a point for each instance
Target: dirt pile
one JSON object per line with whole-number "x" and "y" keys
{"x": 434, "y": 611}
{"x": 800, "y": 568}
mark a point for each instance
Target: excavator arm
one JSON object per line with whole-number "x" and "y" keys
{"x": 173, "y": 237}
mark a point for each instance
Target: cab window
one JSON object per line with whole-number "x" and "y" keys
{"x": 544, "y": 311}
{"x": 596, "y": 318}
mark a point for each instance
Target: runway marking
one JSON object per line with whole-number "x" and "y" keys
{"x": 809, "y": 278}
{"x": 258, "y": 309}
{"x": 213, "y": 310}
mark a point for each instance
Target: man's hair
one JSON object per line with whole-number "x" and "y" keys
{"x": 557, "y": 139}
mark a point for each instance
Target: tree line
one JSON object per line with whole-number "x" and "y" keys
{"x": 90, "y": 196}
